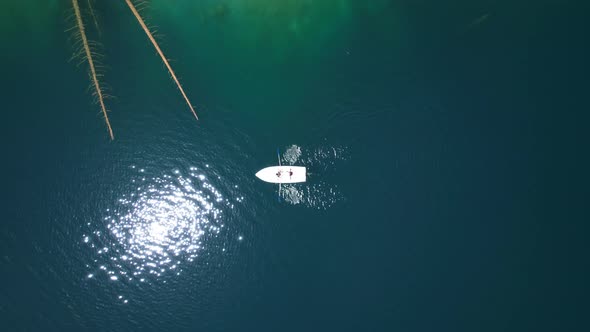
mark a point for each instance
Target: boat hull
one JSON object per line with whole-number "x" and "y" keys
{"x": 281, "y": 174}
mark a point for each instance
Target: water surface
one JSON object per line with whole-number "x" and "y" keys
{"x": 443, "y": 141}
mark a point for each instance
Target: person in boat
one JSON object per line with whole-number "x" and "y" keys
{"x": 290, "y": 172}
{"x": 279, "y": 174}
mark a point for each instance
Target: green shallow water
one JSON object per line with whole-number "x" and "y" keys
{"x": 443, "y": 141}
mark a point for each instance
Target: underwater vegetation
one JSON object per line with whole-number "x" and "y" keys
{"x": 86, "y": 52}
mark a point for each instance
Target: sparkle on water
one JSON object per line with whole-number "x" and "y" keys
{"x": 158, "y": 228}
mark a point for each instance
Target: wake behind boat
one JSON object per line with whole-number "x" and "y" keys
{"x": 282, "y": 174}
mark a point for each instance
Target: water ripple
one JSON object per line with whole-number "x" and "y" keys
{"x": 320, "y": 163}
{"x": 163, "y": 224}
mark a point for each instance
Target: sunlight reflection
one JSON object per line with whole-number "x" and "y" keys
{"x": 157, "y": 228}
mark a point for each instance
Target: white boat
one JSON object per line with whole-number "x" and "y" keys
{"x": 282, "y": 174}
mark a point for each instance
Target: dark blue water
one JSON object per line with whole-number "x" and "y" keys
{"x": 446, "y": 145}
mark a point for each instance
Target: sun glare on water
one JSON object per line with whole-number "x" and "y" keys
{"x": 157, "y": 229}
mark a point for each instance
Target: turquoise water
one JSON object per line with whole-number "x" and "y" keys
{"x": 443, "y": 141}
